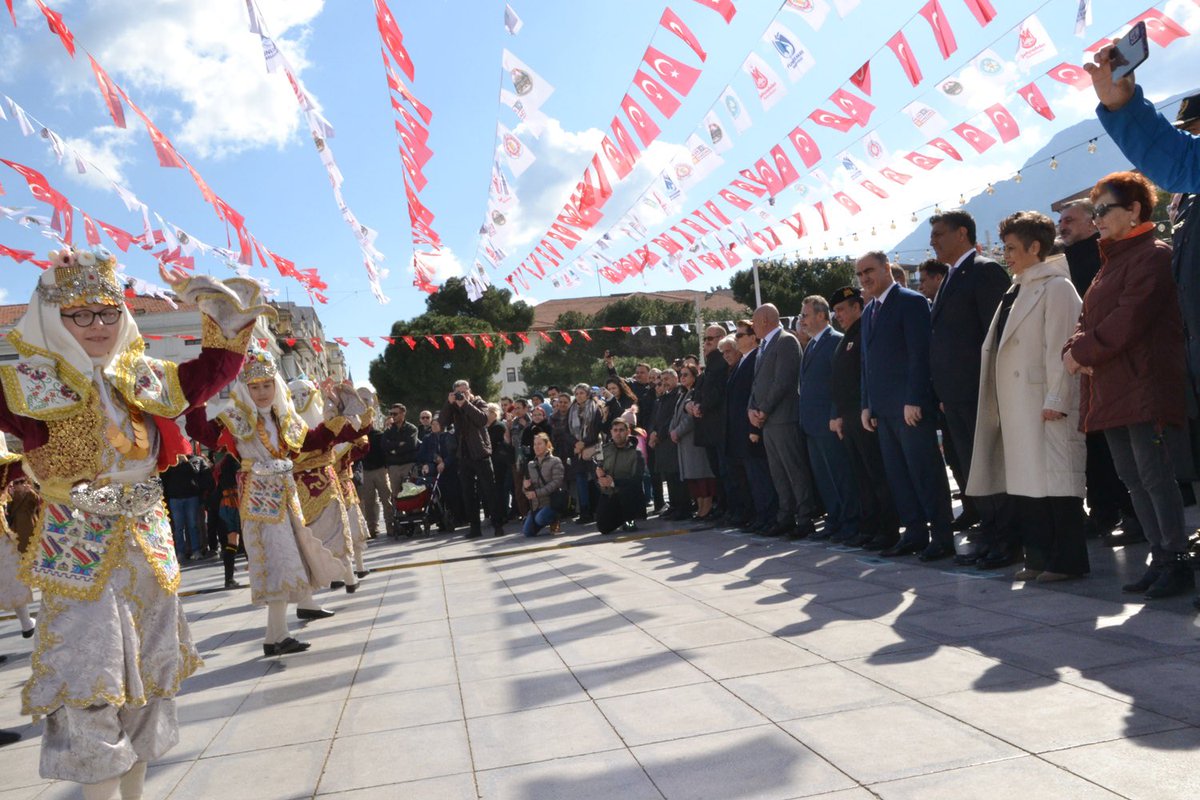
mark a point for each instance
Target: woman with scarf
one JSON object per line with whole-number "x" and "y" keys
{"x": 584, "y": 420}
{"x": 95, "y": 416}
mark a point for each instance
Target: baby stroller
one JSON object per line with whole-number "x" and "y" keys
{"x": 420, "y": 503}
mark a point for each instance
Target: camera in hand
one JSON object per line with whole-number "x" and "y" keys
{"x": 459, "y": 396}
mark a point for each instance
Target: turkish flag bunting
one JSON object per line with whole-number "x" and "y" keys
{"x": 894, "y": 176}
{"x": 862, "y": 78}
{"x": 545, "y": 336}
{"x": 470, "y": 340}
{"x": 112, "y": 95}
{"x": 820, "y": 207}
{"x": 715, "y": 210}
{"x": 1037, "y": 101}
{"x": 41, "y": 189}
{"x": 713, "y": 260}
{"x": 796, "y": 223}
{"x": 90, "y": 230}
{"x": 17, "y": 255}
{"x": 408, "y": 340}
{"x": 676, "y": 74}
{"x": 923, "y": 161}
{"x": 1004, "y": 122}
{"x": 413, "y": 169}
{"x": 341, "y": 341}
{"x": 646, "y": 259}
{"x": 671, "y": 21}
{"x": 723, "y": 7}
{"x": 433, "y": 341}
{"x": 784, "y": 166}
{"x": 167, "y": 155}
{"x": 420, "y": 107}
{"x": 696, "y": 226}
{"x": 908, "y": 60}
{"x": 848, "y": 202}
{"x": 563, "y": 234}
{"x": 524, "y": 337}
{"x": 936, "y": 17}
{"x": 487, "y": 341}
{"x": 1071, "y": 75}
{"x": 366, "y": 340}
{"x": 853, "y": 105}
{"x": 975, "y": 137}
{"x": 416, "y": 148}
{"x": 735, "y": 200}
{"x": 11, "y": 13}
{"x": 55, "y": 21}
{"x": 669, "y": 245}
{"x": 1159, "y": 27}
{"x": 616, "y": 158}
{"x": 643, "y": 124}
{"x": 732, "y": 259}
{"x": 416, "y": 209}
{"x": 601, "y": 189}
{"x": 753, "y": 188}
{"x": 663, "y": 100}
{"x": 874, "y": 189}
{"x": 830, "y": 120}
{"x": 947, "y": 148}
{"x": 393, "y": 39}
{"x": 806, "y": 146}
{"x": 687, "y": 237}
{"x": 625, "y": 142}
{"x": 449, "y": 341}
{"x": 982, "y": 10}
{"x": 418, "y": 130}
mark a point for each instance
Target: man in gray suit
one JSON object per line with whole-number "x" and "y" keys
{"x": 775, "y": 407}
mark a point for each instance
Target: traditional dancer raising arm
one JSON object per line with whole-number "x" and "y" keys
{"x": 95, "y": 417}
{"x": 260, "y": 425}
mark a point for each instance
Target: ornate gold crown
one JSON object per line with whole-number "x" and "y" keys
{"x": 259, "y": 366}
{"x": 82, "y": 277}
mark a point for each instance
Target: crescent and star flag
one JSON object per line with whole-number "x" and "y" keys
{"x": 1037, "y": 101}
{"x": 393, "y": 39}
{"x": 517, "y": 154}
{"x": 663, "y": 100}
{"x": 805, "y": 146}
{"x": 946, "y": 147}
{"x": 167, "y": 155}
{"x": 531, "y": 89}
{"x": 894, "y": 176}
{"x": 735, "y": 200}
{"x": 674, "y": 73}
{"x": 737, "y": 110}
{"x": 904, "y": 54}
{"x": 848, "y": 203}
{"x": 422, "y": 111}
{"x": 796, "y": 58}
{"x": 814, "y": 12}
{"x": 643, "y": 124}
{"x": 1161, "y": 29}
{"x": 1003, "y": 121}
{"x": 1034, "y": 44}
{"x": 715, "y": 132}
{"x": 983, "y": 11}
{"x": 55, "y": 22}
{"x": 512, "y": 23}
{"x": 723, "y": 7}
{"x": 112, "y": 95}
{"x": 784, "y": 166}
{"x": 936, "y": 17}
{"x": 975, "y": 137}
{"x": 766, "y": 82}
{"x": 671, "y": 21}
{"x": 922, "y": 161}
{"x": 616, "y": 158}
{"x": 862, "y": 78}
{"x": 1071, "y": 75}
{"x": 853, "y": 105}
{"x": 830, "y": 120}
{"x": 625, "y": 142}
{"x": 41, "y": 189}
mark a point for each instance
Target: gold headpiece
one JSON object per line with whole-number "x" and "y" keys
{"x": 82, "y": 277}
{"x": 260, "y": 366}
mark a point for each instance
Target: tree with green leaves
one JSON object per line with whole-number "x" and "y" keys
{"x": 421, "y": 377}
{"x": 786, "y": 282}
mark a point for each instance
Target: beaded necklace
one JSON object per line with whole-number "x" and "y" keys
{"x": 261, "y": 429}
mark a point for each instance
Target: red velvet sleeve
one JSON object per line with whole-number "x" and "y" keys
{"x": 322, "y": 437}
{"x": 208, "y": 373}
{"x": 204, "y": 430}
{"x": 360, "y": 450}
{"x": 33, "y": 433}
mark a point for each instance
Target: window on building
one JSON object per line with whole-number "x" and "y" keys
{"x": 191, "y": 343}
{"x": 510, "y": 375}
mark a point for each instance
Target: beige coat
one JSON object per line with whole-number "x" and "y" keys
{"x": 1016, "y": 451}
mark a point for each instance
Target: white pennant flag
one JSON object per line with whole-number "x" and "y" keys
{"x": 512, "y": 23}
{"x": 796, "y": 58}
{"x": 877, "y": 152}
{"x": 1083, "y": 17}
{"x": 850, "y": 166}
{"x": 737, "y": 110}
{"x": 766, "y": 82}
{"x": 515, "y": 152}
{"x": 1035, "y": 45}
{"x": 530, "y": 88}
{"x": 813, "y": 12}
{"x": 26, "y": 126}
{"x": 697, "y": 164}
{"x": 844, "y": 7}
{"x": 715, "y": 132}
{"x": 925, "y": 117}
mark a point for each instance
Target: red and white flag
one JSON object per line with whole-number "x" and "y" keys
{"x": 110, "y": 92}
{"x": 1071, "y": 75}
{"x": 1034, "y": 44}
{"x": 1004, "y": 122}
{"x": 983, "y": 11}
{"x": 975, "y": 137}
{"x": 942, "y": 32}
{"x": 805, "y": 146}
{"x": 795, "y": 57}
{"x": 393, "y": 39}
{"x": 922, "y": 161}
{"x": 862, "y": 78}
{"x": 55, "y": 22}
{"x": 848, "y": 203}
{"x": 904, "y": 54}
{"x": 895, "y": 176}
{"x": 946, "y": 147}
{"x": 674, "y": 73}
{"x": 643, "y": 124}
{"x": 41, "y": 189}
{"x": 784, "y": 166}
{"x": 856, "y": 107}
{"x": 734, "y": 199}
{"x": 1161, "y": 29}
{"x": 671, "y": 21}
{"x": 616, "y": 158}
{"x": 420, "y": 107}
{"x": 723, "y": 7}
{"x": 1037, "y": 101}
{"x": 874, "y": 189}
{"x": 663, "y": 100}
{"x": 625, "y": 142}
{"x": 828, "y": 119}
{"x": 766, "y": 82}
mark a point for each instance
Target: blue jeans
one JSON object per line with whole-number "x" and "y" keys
{"x": 185, "y": 516}
{"x": 582, "y": 488}
{"x": 536, "y": 520}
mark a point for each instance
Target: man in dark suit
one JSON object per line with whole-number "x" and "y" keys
{"x": 962, "y": 313}
{"x": 831, "y": 468}
{"x": 747, "y": 458}
{"x": 775, "y": 407}
{"x": 897, "y": 402}
{"x": 878, "y": 526}
{"x": 709, "y": 411}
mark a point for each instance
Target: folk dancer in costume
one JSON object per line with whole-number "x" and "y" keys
{"x": 260, "y": 425}
{"x": 322, "y": 494}
{"x": 345, "y": 454}
{"x": 95, "y": 416}
{"x": 15, "y": 595}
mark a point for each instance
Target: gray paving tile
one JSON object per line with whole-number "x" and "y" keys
{"x": 540, "y": 734}
{"x": 514, "y": 661}
{"x": 760, "y": 763}
{"x": 1164, "y": 685}
{"x": 677, "y": 713}
{"x": 516, "y": 692}
{"x": 938, "y": 670}
{"x": 628, "y": 643}
{"x": 374, "y": 760}
{"x": 809, "y": 691}
{"x": 289, "y": 772}
{"x": 1160, "y": 765}
{"x": 1028, "y": 778}
{"x": 640, "y": 674}
{"x": 449, "y": 787}
{"x": 394, "y": 710}
{"x": 720, "y": 630}
{"x": 752, "y": 657}
{"x": 614, "y": 773}
{"x": 843, "y": 639}
{"x": 1052, "y": 651}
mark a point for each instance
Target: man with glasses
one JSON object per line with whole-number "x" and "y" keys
{"x": 400, "y": 445}
{"x": 424, "y": 424}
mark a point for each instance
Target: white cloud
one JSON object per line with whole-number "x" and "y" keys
{"x": 107, "y": 148}
{"x": 444, "y": 263}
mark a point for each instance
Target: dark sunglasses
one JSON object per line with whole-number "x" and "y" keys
{"x": 1102, "y": 210}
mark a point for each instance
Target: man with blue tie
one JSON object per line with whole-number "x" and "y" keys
{"x": 830, "y": 464}
{"x": 897, "y": 403}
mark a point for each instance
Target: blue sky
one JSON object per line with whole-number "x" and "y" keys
{"x": 199, "y": 73}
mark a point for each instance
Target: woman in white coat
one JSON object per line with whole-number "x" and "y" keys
{"x": 1027, "y": 438}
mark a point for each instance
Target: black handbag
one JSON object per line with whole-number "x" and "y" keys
{"x": 559, "y": 501}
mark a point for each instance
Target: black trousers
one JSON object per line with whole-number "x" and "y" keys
{"x": 656, "y": 481}
{"x": 625, "y": 505}
{"x": 996, "y": 517}
{"x": 1052, "y": 532}
{"x": 1107, "y": 497}
{"x": 878, "y": 512}
{"x": 478, "y": 484}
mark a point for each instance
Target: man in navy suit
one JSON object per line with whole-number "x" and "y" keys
{"x": 962, "y": 313}
{"x": 897, "y": 403}
{"x": 830, "y": 464}
{"x": 750, "y": 479}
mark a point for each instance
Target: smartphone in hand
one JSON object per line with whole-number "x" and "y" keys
{"x": 1131, "y": 50}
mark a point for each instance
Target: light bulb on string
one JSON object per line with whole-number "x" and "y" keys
{"x": 1017, "y": 178}
{"x": 937, "y": 209}
{"x": 991, "y": 189}
{"x": 962, "y": 199}
{"x": 893, "y": 224}
{"x": 873, "y": 231}
{"x": 840, "y": 242}
{"x": 1092, "y": 147}
{"x": 1053, "y": 162}
{"x": 854, "y": 236}
{"x": 825, "y": 246}
{"x": 914, "y": 216}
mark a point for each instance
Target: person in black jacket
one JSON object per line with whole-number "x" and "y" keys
{"x": 666, "y": 452}
{"x": 468, "y": 414}
{"x": 376, "y": 486}
{"x": 709, "y": 411}
{"x": 961, "y": 316}
{"x": 181, "y": 489}
{"x": 400, "y": 441}
{"x": 746, "y": 456}
{"x": 645, "y": 390}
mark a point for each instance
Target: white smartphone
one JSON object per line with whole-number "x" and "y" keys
{"x": 1131, "y": 50}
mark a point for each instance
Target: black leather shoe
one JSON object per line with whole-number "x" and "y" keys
{"x": 232, "y": 584}
{"x": 497, "y": 530}
{"x": 1196, "y": 603}
{"x": 821, "y": 535}
{"x": 965, "y": 561}
{"x": 28, "y": 634}
{"x": 881, "y": 541}
{"x": 859, "y": 539}
{"x": 364, "y": 573}
{"x": 474, "y": 534}
{"x": 9, "y": 737}
{"x": 804, "y": 530}
{"x": 935, "y": 551}
{"x": 995, "y": 561}
{"x": 964, "y": 521}
{"x": 904, "y": 547}
{"x": 288, "y": 645}
{"x": 351, "y": 588}
{"x": 335, "y": 585}
{"x": 313, "y": 613}
{"x": 780, "y": 529}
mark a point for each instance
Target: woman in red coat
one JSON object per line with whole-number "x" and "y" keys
{"x": 1129, "y": 348}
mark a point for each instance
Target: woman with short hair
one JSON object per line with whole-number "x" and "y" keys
{"x": 544, "y": 477}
